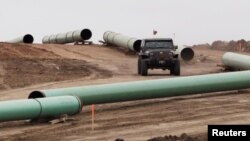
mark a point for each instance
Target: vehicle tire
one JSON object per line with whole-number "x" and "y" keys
{"x": 144, "y": 68}
{"x": 139, "y": 65}
{"x": 171, "y": 70}
{"x": 176, "y": 69}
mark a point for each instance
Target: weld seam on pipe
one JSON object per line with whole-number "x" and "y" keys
{"x": 129, "y": 41}
{"x": 69, "y": 37}
{"x": 41, "y": 108}
{"x": 119, "y": 40}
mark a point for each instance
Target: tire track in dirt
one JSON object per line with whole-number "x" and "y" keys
{"x": 106, "y": 58}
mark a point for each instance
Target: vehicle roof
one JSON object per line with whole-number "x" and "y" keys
{"x": 159, "y": 39}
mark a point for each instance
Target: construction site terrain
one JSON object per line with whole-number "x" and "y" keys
{"x": 24, "y": 68}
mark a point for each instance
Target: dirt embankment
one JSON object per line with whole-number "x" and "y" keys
{"x": 233, "y": 46}
{"x": 23, "y": 65}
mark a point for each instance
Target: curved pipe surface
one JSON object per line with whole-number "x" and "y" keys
{"x": 118, "y": 39}
{"x": 39, "y": 108}
{"x": 69, "y": 37}
{"x": 149, "y": 89}
{"x": 28, "y": 38}
{"x": 185, "y": 53}
{"x": 236, "y": 61}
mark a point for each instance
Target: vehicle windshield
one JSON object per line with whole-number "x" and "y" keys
{"x": 159, "y": 44}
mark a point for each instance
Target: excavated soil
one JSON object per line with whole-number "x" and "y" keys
{"x": 23, "y": 65}
{"x": 25, "y": 72}
{"x": 14, "y": 51}
{"x": 25, "y": 68}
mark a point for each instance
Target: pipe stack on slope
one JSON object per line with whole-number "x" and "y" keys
{"x": 69, "y": 37}
{"x": 118, "y": 39}
{"x": 150, "y": 89}
{"x": 236, "y": 61}
{"x": 39, "y": 108}
{"x": 28, "y": 38}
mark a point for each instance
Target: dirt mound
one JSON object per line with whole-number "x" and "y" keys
{"x": 23, "y": 65}
{"x": 23, "y": 72}
{"x": 238, "y": 46}
{"x": 10, "y": 51}
{"x": 183, "y": 137}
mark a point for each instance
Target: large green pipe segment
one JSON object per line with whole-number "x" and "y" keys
{"x": 236, "y": 61}
{"x": 39, "y": 108}
{"x": 28, "y": 38}
{"x": 185, "y": 53}
{"x": 69, "y": 37}
{"x": 149, "y": 89}
{"x": 120, "y": 40}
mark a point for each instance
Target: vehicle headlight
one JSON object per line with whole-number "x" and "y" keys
{"x": 147, "y": 52}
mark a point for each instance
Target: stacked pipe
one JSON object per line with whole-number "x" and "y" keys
{"x": 28, "y": 38}
{"x": 236, "y": 61}
{"x": 39, "y": 108}
{"x": 69, "y": 37}
{"x": 118, "y": 39}
{"x": 118, "y": 92}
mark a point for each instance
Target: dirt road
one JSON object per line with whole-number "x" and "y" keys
{"x": 135, "y": 120}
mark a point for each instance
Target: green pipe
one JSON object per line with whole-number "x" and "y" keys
{"x": 39, "y": 108}
{"x": 185, "y": 53}
{"x": 149, "y": 89}
{"x": 118, "y": 39}
{"x": 28, "y": 38}
{"x": 236, "y": 61}
{"x": 69, "y": 37}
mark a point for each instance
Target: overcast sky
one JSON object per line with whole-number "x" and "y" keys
{"x": 192, "y": 21}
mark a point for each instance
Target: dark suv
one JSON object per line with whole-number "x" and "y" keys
{"x": 158, "y": 53}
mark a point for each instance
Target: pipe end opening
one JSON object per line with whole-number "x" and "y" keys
{"x": 137, "y": 45}
{"x": 187, "y": 54}
{"x": 28, "y": 39}
{"x": 36, "y": 94}
{"x": 86, "y": 34}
